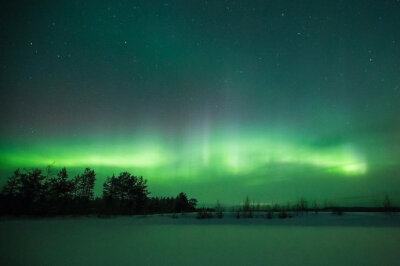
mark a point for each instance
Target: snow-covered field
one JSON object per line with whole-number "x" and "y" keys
{"x": 351, "y": 239}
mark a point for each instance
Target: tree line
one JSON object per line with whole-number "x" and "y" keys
{"x": 38, "y": 192}
{"x": 249, "y": 209}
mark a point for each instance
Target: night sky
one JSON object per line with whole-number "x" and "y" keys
{"x": 221, "y": 99}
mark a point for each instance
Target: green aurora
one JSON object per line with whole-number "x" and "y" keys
{"x": 276, "y": 100}
{"x": 213, "y": 163}
{"x": 215, "y": 155}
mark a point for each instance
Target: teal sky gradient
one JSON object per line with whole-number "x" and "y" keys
{"x": 221, "y": 99}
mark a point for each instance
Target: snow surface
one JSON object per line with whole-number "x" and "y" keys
{"x": 323, "y": 239}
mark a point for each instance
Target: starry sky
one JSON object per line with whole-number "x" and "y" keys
{"x": 221, "y": 99}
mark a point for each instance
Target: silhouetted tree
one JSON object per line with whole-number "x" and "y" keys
{"x": 182, "y": 204}
{"x": 83, "y": 192}
{"x": 303, "y": 205}
{"x": 387, "y": 204}
{"x": 11, "y": 194}
{"x": 84, "y": 185}
{"x": 219, "y": 210}
{"x": 58, "y": 193}
{"x": 315, "y": 207}
{"x": 125, "y": 193}
{"x": 247, "y": 208}
{"x": 192, "y": 204}
{"x": 111, "y": 197}
{"x": 13, "y": 186}
{"x": 23, "y": 191}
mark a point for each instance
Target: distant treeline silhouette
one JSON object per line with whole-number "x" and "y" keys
{"x": 34, "y": 192}
{"x": 38, "y": 192}
{"x": 250, "y": 209}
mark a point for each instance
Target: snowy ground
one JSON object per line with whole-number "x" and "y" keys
{"x": 351, "y": 239}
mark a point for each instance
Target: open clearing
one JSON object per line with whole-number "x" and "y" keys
{"x": 351, "y": 239}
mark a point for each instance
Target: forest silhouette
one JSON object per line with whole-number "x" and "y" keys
{"x": 43, "y": 193}
{"x": 37, "y": 192}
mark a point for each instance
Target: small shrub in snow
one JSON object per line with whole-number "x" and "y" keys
{"x": 337, "y": 211}
{"x": 219, "y": 211}
{"x": 387, "y": 205}
{"x": 282, "y": 214}
{"x": 203, "y": 213}
{"x": 237, "y": 215}
{"x": 270, "y": 214}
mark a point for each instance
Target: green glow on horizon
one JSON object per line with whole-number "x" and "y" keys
{"x": 274, "y": 100}
{"x": 219, "y": 154}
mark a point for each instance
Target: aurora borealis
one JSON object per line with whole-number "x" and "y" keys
{"x": 236, "y": 155}
{"x": 222, "y": 99}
